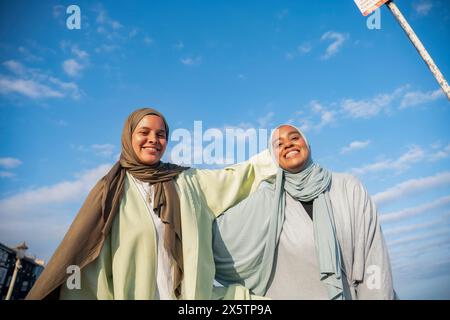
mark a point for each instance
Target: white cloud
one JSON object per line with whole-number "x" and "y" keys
{"x": 104, "y": 19}
{"x": 369, "y": 108}
{"x": 28, "y": 88}
{"x": 6, "y": 174}
{"x": 190, "y": 61}
{"x": 422, "y": 8}
{"x": 300, "y": 50}
{"x": 15, "y": 67}
{"x": 58, "y": 11}
{"x": 304, "y": 48}
{"x": 133, "y": 32}
{"x": 106, "y": 48}
{"x": 412, "y": 240}
{"x": 72, "y": 67}
{"x": 411, "y": 187}
{"x": 440, "y": 154}
{"x": 355, "y": 145}
{"x": 338, "y": 41}
{"x": 80, "y": 54}
{"x": 415, "y": 227}
{"x": 63, "y": 192}
{"x": 105, "y": 150}
{"x": 148, "y": 41}
{"x": 42, "y": 215}
{"x": 34, "y": 83}
{"x": 28, "y": 56}
{"x": 326, "y": 117}
{"x": 265, "y": 120}
{"x": 9, "y": 163}
{"x": 411, "y": 99}
{"x": 413, "y": 155}
{"x": 410, "y": 212}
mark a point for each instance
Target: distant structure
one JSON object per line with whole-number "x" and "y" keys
{"x": 18, "y": 272}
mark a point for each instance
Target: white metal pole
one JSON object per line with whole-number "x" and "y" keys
{"x": 13, "y": 279}
{"x": 419, "y": 47}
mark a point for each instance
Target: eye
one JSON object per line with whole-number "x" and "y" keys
{"x": 295, "y": 138}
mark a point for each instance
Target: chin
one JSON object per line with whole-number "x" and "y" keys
{"x": 151, "y": 161}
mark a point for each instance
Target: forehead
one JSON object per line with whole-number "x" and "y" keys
{"x": 151, "y": 121}
{"x": 284, "y": 131}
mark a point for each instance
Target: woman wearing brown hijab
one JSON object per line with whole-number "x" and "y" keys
{"x": 144, "y": 231}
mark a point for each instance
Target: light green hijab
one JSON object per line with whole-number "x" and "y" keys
{"x": 245, "y": 237}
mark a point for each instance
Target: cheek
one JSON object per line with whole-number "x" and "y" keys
{"x": 136, "y": 142}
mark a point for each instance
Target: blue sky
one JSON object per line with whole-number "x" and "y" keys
{"x": 366, "y": 101}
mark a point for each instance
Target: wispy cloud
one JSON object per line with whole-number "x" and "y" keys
{"x": 411, "y": 187}
{"x": 28, "y": 88}
{"x": 411, "y": 212}
{"x": 28, "y": 56}
{"x": 9, "y": 163}
{"x": 78, "y": 62}
{"x": 191, "y": 61}
{"x": 422, "y": 8}
{"x": 72, "y": 67}
{"x": 401, "y": 230}
{"x": 58, "y": 11}
{"x": 355, "y": 145}
{"x": 337, "y": 39}
{"x": 42, "y": 215}
{"x": 413, "y": 155}
{"x": 415, "y": 98}
{"x": 7, "y": 174}
{"x": 301, "y": 49}
{"x": 148, "y": 40}
{"x": 66, "y": 191}
{"x": 34, "y": 83}
{"x": 105, "y": 150}
{"x": 440, "y": 154}
{"x": 265, "y": 120}
{"x": 412, "y": 240}
{"x": 326, "y": 116}
{"x": 368, "y": 108}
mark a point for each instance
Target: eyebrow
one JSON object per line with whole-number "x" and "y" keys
{"x": 159, "y": 130}
{"x": 289, "y": 134}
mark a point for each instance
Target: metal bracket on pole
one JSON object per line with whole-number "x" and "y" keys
{"x": 419, "y": 46}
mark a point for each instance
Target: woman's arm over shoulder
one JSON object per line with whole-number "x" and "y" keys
{"x": 225, "y": 187}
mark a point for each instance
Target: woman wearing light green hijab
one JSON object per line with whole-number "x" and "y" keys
{"x": 313, "y": 235}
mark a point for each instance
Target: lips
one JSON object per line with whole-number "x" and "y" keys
{"x": 151, "y": 149}
{"x": 292, "y": 153}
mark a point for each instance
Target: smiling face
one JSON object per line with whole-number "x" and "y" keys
{"x": 149, "y": 139}
{"x": 290, "y": 149}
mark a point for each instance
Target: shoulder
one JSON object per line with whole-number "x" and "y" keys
{"x": 347, "y": 186}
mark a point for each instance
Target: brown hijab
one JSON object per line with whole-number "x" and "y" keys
{"x": 84, "y": 239}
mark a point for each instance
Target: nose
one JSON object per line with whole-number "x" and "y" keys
{"x": 288, "y": 144}
{"x": 152, "y": 138}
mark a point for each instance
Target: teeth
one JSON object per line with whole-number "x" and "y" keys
{"x": 291, "y": 154}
